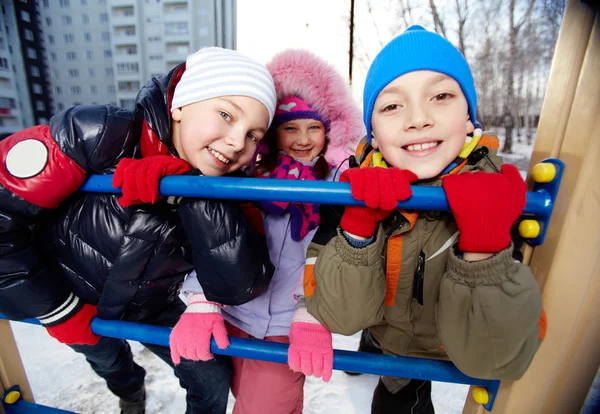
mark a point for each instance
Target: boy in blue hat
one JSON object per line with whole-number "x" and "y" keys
{"x": 427, "y": 284}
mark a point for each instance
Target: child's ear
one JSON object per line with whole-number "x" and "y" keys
{"x": 470, "y": 126}
{"x": 176, "y": 114}
{"x": 374, "y": 143}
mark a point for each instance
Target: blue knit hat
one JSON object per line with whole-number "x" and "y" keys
{"x": 417, "y": 49}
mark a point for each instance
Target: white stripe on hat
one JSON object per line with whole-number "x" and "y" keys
{"x": 214, "y": 72}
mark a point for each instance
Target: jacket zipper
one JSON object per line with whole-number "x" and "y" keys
{"x": 419, "y": 279}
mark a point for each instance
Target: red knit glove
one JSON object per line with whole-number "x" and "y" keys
{"x": 76, "y": 329}
{"x": 140, "y": 178}
{"x": 485, "y": 206}
{"x": 380, "y": 189}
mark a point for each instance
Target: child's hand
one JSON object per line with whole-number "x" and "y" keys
{"x": 191, "y": 335}
{"x": 381, "y": 189}
{"x": 311, "y": 348}
{"x": 485, "y": 206}
{"x": 140, "y": 178}
{"x": 76, "y": 330}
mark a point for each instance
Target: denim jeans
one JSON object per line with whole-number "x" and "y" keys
{"x": 206, "y": 383}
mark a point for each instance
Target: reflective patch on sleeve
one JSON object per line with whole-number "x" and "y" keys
{"x": 27, "y": 158}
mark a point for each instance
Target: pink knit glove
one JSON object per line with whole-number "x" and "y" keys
{"x": 190, "y": 338}
{"x": 311, "y": 350}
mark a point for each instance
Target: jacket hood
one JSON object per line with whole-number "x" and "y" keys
{"x": 302, "y": 73}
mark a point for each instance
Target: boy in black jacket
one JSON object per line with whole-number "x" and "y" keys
{"x": 67, "y": 256}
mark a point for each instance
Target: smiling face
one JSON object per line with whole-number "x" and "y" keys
{"x": 302, "y": 139}
{"x": 219, "y": 135}
{"x": 420, "y": 122}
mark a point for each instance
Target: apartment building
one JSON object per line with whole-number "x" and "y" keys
{"x": 104, "y": 51}
{"x": 25, "y": 97}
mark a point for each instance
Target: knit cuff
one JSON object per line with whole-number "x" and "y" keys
{"x": 493, "y": 270}
{"x": 359, "y": 256}
{"x": 356, "y": 242}
{"x": 64, "y": 312}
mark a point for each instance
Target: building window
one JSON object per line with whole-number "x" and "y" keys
{"x": 42, "y": 120}
{"x": 46, "y": 4}
{"x": 60, "y": 106}
{"x": 87, "y": 37}
{"x": 85, "y": 19}
{"x": 103, "y": 17}
{"x": 84, "y": 2}
{"x": 108, "y": 71}
{"x": 69, "y": 38}
{"x": 127, "y": 68}
{"x": 35, "y": 71}
{"x": 28, "y": 34}
{"x": 154, "y": 19}
{"x": 91, "y": 72}
{"x": 107, "y": 53}
{"x": 64, "y": 3}
{"x": 58, "y": 90}
{"x": 39, "y": 105}
{"x": 31, "y": 54}
{"x": 53, "y": 56}
{"x": 154, "y": 39}
{"x": 55, "y": 74}
{"x": 93, "y": 89}
{"x": 77, "y": 103}
{"x": 71, "y": 55}
{"x": 48, "y": 21}
{"x": 110, "y": 89}
{"x": 105, "y": 36}
{"x": 3, "y": 63}
{"x": 73, "y": 73}
{"x": 37, "y": 88}
{"x": 203, "y": 31}
{"x": 66, "y": 20}
{"x": 75, "y": 90}
{"x": 7, "y": 103}
{"x": 89, "y": 55}
{"x": 155, "y": 57}
{"x": 128, "y": 103}
{"x": 177, "y": 28}
{"x": 25, "y": 16}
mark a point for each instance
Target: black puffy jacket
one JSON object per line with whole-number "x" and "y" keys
{"x": 56, "y": 242}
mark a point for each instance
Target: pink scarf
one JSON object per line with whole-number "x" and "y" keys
{"x": 305, "y": 217}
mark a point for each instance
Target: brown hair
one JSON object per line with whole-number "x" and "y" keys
{"x": 268, "y": 161}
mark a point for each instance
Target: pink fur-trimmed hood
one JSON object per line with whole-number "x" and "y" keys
{"x": 302, "y": 73}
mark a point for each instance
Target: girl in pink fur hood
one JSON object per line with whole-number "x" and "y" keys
{"x": 316, "y": 121}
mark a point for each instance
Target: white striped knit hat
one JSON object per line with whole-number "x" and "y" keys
{"x": 213, "y": 72}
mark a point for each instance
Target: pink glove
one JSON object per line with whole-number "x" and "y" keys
{"x": 311, "y": 350}
{"x": 191, "y": 335}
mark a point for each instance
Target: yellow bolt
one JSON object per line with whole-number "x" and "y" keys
{"x": 544, "y": 172}
{"x": 12, "y": 397}
{"x": 481, "y": 395}
{"x": 529, "y": 229}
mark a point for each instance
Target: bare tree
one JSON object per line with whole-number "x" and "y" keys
{"x": 513, "y": 34}
{"x": 438, "y": 22}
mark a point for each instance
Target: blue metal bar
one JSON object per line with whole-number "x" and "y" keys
{"x": 417, "y": 368}
{"x": 318, "y": 192}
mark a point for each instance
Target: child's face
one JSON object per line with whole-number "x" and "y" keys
{"x": 219, "y": 136}
{"x": 420, "y": 122}
{"x": 302, "y": 139}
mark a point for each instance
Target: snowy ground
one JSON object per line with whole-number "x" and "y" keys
{"x": 61, "y": 378}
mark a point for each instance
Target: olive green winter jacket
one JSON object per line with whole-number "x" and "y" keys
{"x": 419, "y": 298}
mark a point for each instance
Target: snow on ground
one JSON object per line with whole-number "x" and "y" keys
{"x": 61, "y": 378}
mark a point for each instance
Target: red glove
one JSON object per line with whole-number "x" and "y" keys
{"x": 485, "y": 206}
{"x": 140, "y": 178}
{"x": 76, "y": 330}
{"x": 380, "y": 189}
